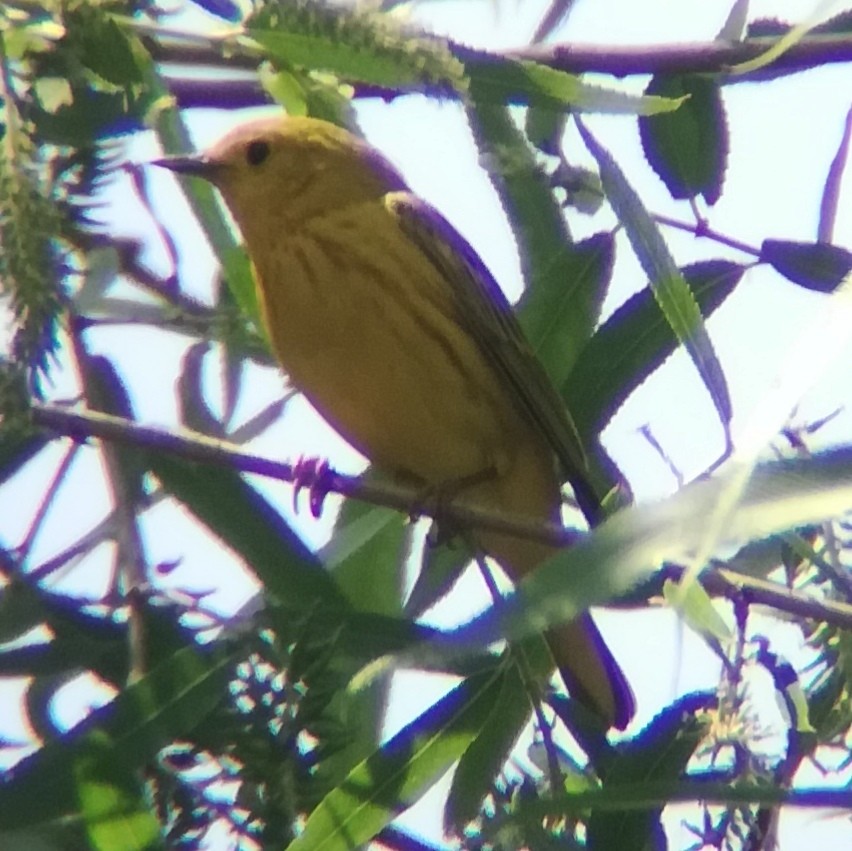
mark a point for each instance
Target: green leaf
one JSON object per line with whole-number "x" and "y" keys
{"x": 174, "y": 138}
{"x": 102, "y": 46}
{"x": 572, "y": 277}
{"x": 487, "y": 753}
{"x": 555, "y": 271}
{"x": 633, "y": 543}
{"x": 16, "y": 449}
{"x": 401, "y": 771}
{"x": 634, "y": 342}
{"x": 367, "y": 556}
{"x": 500, "y": 80}
{"x": 20, "y": 610}
{"x": 195, "y": 412}
{"x": 691, "y": 602}
{"x": 659, "y": 753}
{"x": 285, "y": 87}
{"x": 440, "y": 568}
{"x": 53, "y": 93}
{"x": 163, "y": 705}
{"x": 558, "y": 314}
{"x": 814, "y": 265}
{"x": 545, "y": 128}
{"x": 112, "y": 801}
{"x": 106, "y": 392}
{"x": 688, "y": 148}
{"x": 670, "y": 289}
{"x": 91, "y": 114}
{"x": 787, "y": 40}
{"x": 241, "y": 517}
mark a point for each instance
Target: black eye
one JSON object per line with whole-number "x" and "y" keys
{"x": 257, "y": 152}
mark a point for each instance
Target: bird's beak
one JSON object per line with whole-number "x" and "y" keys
{"x": 196, "y": 166}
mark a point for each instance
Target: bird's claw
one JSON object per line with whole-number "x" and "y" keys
{"x": 315, "y": 474}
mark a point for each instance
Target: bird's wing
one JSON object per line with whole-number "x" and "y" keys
{"x": 487, "y": 314}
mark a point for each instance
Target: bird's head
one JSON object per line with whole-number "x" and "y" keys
{"x": 286, "y": 170}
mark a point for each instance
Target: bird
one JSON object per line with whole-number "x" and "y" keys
{"x": 391, "y": 325}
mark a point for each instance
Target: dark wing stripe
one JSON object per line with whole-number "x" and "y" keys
{"x": 490, "y": 319}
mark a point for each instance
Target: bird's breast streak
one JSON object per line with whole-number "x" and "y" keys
{"x": 379, "y": 355}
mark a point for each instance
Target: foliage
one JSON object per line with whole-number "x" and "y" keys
{"x": 263, "y": 722}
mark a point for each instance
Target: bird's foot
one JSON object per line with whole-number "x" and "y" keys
{"x": 436, "y": 501}
{"x": 316, "y": 475}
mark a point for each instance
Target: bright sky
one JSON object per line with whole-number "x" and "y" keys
{"x": 783, "y": 138}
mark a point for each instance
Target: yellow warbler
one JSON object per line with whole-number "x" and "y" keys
{"x": 388, "y": 321}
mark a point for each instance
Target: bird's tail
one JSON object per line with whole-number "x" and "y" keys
{"x": 585, "y": 663}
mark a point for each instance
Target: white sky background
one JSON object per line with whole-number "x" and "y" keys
{"x": 783, "y": 137}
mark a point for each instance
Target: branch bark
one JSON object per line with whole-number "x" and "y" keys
{"x": 243, "y": 89}
{"x": 198, "y": 447}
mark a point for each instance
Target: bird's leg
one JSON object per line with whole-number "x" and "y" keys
{"x": 315, "y": 474}
{"x": 435, "y": 499}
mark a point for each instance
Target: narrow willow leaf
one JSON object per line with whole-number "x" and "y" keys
{"x": 659, "y": 753}
{"x": 53, "y": 93}
{"x": 163, "y": 705}
{"x": 174, "y": 139}
{"x": 635, "y": 341}
{"x": 367, "y": 558}
{"x": 367, "y": 554}
{"x": 195, "y": 411}
{"x": 833, "y": 185}
{"x": 667, "y": 283}
{"x": 536, "y": 219}
{"x": 632, "y": 544}
{"x": 21, "y": 610}
{"x": 734, "y": 27}
{"x": 102, "y": 45}
{"x": 401, "y": 771}
{"x": 698, "y": 611}
{"x": 501, "y": 80}
{"x": 240, "y": 516}
{"x": 285, "y": 87}
{"x": 483, "y": 760}
{"x": 440, "y": 567}
{"x": 575, "y": 278}
{"x": 789, "y": 39}
{"x": 558, "y": 315}
{"x": 17, "y": 448}
{"x": 113, "y": 804}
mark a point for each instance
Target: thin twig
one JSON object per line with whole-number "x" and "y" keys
{"x": 47, "y": 499}
{"x": 702, "y": 230}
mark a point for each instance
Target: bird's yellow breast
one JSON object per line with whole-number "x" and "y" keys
{"x": 367, "y": 329}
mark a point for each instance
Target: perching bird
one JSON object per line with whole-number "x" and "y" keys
{"x": 391, "y": 325}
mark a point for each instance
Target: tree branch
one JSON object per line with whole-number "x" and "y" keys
{"x": 702, "y": 57}
{"x": 650, "y": 795}
{"x": 723, "y": 582}
{"x": 616, "y": 60}
{"x": 198, "y": 447}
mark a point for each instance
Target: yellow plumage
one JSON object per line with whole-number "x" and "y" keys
{"x": 390, "y": 324}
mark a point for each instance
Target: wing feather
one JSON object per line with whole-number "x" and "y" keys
{"x": 487, "y": 314}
